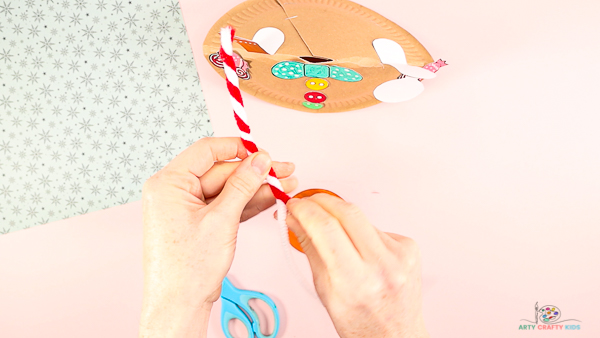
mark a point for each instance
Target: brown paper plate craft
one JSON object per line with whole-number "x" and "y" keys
{"x": 321, "y": 55}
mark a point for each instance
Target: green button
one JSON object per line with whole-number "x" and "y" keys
{"x": 311, "y": 105}
{"x": 318, "y": 71}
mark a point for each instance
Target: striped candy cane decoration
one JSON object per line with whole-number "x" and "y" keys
{"x": 239, "y": 112}
{"x": 233, "y": 85}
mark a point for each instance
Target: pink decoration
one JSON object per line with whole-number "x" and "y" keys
{"x": 240, "y": 63}
{"x": 435, "y": 66}
{"x": 241, "y": 66}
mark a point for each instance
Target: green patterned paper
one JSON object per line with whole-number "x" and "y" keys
{"x": 95, "y": 96}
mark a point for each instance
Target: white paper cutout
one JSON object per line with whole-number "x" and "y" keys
{"x": 398, "y": 90}
{"x": 269, "y": 39}
{"x": 391, "y": 53}
{"x": 404, "y": 88}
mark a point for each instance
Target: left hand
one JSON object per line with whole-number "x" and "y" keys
{"x": 192, "y": 210}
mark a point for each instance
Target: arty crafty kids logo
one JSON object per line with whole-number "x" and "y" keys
{"x": 548, "y": 317}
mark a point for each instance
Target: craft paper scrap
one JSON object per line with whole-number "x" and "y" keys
{"x": 95, "y": 97}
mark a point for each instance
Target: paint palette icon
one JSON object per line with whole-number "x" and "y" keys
{"x": 549, "y": 314}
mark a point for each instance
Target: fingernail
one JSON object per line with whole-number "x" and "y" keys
{"x": 261, "y": 163}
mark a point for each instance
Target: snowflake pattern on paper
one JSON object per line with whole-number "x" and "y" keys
{"x": 95, "y": 97}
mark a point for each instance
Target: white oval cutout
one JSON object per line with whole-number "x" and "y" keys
{"x": 398, "y": 90}
{"x": 269, "y": 39}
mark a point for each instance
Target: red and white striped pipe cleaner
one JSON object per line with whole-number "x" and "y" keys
{"x": 239, "y": 112}
{"x": 233, "y": 85}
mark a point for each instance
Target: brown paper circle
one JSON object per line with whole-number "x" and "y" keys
{"x": 306, "y": 193}
{"x": 337, "y": 29}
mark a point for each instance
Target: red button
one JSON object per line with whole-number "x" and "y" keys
{"x": 315, "y": 97}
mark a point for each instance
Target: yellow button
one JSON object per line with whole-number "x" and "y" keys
{"x": 317, "y": 84}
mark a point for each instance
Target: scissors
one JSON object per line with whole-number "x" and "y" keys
{"x": 234, "y": 305}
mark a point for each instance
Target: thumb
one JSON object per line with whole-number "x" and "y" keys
{"x": 241, "y": 186}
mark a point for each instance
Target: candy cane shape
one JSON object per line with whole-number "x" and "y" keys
{"x": 241, "y": 119}
{"x": 239, "y": 112}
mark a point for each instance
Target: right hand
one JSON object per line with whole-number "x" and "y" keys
{"x": 368, "y": 280}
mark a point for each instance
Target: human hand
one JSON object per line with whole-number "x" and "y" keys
{"x": 368, "y": 280}
{"x": 192, "y": 209}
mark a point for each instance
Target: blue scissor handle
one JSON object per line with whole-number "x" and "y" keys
{"x": 233, "y": 297}
{"x": 230, "y": 311}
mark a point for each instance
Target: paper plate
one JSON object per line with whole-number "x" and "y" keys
{"x": 340, "y": 32}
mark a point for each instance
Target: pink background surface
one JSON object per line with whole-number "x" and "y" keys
{"x": 493, "y": 170}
